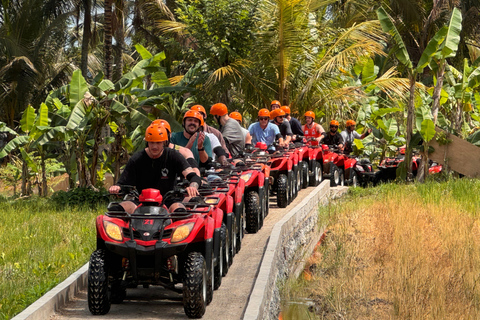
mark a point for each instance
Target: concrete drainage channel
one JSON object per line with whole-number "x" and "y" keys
{"x": 291, "y": 241}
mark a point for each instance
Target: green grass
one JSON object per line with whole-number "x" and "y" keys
{"x": 407, "y": 251}
{"x": 40, "y": 246}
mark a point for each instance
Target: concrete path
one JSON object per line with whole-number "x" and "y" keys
{"x": 229, "y": 301}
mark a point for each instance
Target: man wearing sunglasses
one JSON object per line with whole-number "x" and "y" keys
{"x": 350, "y": 134}
{"x": 265, "y": 131}
{"x": 333, "y": 138}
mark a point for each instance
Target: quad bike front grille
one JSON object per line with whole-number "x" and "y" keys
{"x": 138, "y": 236}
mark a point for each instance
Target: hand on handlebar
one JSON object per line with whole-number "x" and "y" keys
{"x": 114, "y": 189}
{"x": 192, "y": 191}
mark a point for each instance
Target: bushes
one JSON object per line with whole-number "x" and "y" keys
{"x": 80, "y": 197}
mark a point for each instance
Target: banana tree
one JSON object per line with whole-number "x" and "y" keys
{"x": 442, "y": 46}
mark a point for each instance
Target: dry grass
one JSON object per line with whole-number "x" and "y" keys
{"x": 400, "y": 254}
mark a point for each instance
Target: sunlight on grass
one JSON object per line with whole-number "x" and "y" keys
{"x": 395, "y": 252}
{"x": 40, "y": 246}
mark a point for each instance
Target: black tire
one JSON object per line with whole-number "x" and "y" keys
{"x": 305, "y": 180}
{"x": 267, "y": 198}
{"x": 342, "y": 177}
{"x": 291, "y": 186}
{"x": 335, "y": 175}
{"x": 240, "y": 231}
{"x": 298, "y": 179}
{"x": 233, "y": 239}
{"x": 282, "y": 191}
{"x": 211, "y": 280}
{"x": 313, "y": 176}
{"x": 218, "y": 269}
{"x": 98, "y": 289}
{"x": 252, "y": 212}
{"x": 195, "y": 285}
{"x": 226, "y": 257}
{"x": 354, "y": 179}
{"x": 118, "y": 293}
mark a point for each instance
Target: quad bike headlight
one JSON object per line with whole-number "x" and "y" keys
{"x": 182, "y": 232}
{"x": 113, "y": 230}
{"x": 246, "y": 176}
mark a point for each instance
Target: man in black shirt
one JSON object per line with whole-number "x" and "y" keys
{"x": 333, "y": 138}
{"x": 278, "y": 118}
{"x": 294, "y": 123}
{"x": 157, "y": 166}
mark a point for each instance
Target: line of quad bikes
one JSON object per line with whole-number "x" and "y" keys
{"x": 190, "y": 250}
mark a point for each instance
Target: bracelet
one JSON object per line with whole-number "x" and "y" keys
{"x": 202, "y": 149}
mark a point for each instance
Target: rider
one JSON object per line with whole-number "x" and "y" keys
{"x": 278, "y": 118}
{"x": 265, "y": 131}
{"x": 311, "y": 130}
{"x": 193, "y": 138}
{"x": 275, "y": 104}
{"x": 157, "y": 166}
{"x": 229, "y": 128}
{"x": 350, "y": 134}
{"x": 186, "y": 153}
{"x": 294, "y": 123}
{"x": 246, "y": 135}
{"x": 333, "y": 138}
{"x": 208, "y": 128}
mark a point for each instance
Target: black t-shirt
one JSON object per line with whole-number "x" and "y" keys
{"x": 144, "y": 172}
{"x": 284, "y": 127}
{"x": 332, "y": 140}
{"x": 296, "y": 126}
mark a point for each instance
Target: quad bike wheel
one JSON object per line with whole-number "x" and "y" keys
{"x": 316, "y": 175}
{"x": 226, "y": 257}
{"x": 233, "y": 239}
{"x": 267, "y": 198}
{"x": 298, "y": 179}
{"x": 252, "y": 212}
{"x": 240, "y": 232}
{"x": 282, "y": 191}
{"x": 291, "y": 186}
{"x": 211, "y": 280}
{"x": 342, "y": 177}
{"x": 335, "y": 175}
{"x": 354, "y": 179}
{"x": 98, "y": 287}
{"x": 218, "y": 269}
{"x": 305, "y": 175}
{"x": 195, "y": 285}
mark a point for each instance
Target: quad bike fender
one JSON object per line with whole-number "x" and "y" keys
{"x": 289, "y": 164}
{"x": 217, "y": 216}
{"x": 350, "y": 163}
{"x": 209, "y": 248}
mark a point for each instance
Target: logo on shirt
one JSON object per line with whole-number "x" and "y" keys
{"x": 164, "y": 172}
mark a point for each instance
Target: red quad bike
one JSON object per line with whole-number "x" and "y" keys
{"x": 155, "y": 247}
{"x": 232, "y": 187}
{"x": 281, "y": 171}
{"x": 296, "y": 183}
{"x": 388, "y": 166}
{"x": 315, "y": 163}
{"x": 256, "y": 172}
{"x": 303, "y": 154}
{"x": 334, "y": 165}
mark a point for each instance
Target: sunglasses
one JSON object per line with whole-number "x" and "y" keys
{"x": 263, "y": 118}
{"x": 333, "y": 126}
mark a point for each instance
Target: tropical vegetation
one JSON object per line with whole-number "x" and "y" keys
{"x": 80, "y": 81}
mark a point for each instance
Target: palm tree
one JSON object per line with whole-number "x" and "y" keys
{"x": 33, "y": 59}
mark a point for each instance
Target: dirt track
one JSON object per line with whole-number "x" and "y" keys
{"x": 229, "y": 301}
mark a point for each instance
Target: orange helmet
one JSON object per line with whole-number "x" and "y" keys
{"x": 235, "y": 115}
{"x": 193, "y": 114}
{"x": 156, "y": 133}
{"x": 350, "y": 123}
{"x": 199, "y": 108}
{"x": 286, "y": 109}
{"x": 275, "y": 102}
{"x": 310, "y": 114}
{"x": 163, "y": 123}
{"x": 219, "y": 109}
{"x": 276, "y": 113}
{"x": 334, "y": 123}
{"x": 263, "y": 113}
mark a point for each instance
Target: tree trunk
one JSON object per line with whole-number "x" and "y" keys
{"x": 410, "y": 123}
{"x": 437, "y": 92}
{"x": 119, "y": 39}
{"x": 108, "y": 39}
{"x": 24, "y": 178}
{"x": 117, "y": 152}
{"x": 87, "y": 35}
{"x": 43, "y": 183}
